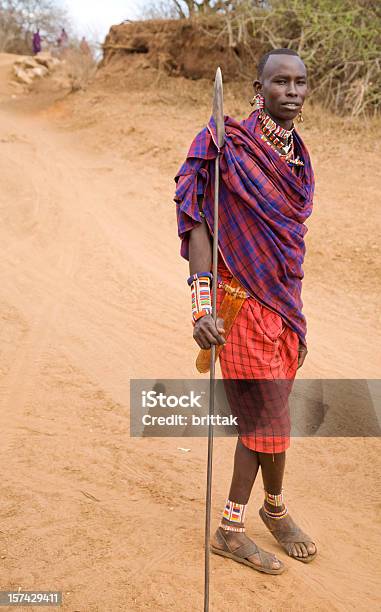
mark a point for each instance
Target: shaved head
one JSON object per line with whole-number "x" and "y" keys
{"x": 262, "y": 62}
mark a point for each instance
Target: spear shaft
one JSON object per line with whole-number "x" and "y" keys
{"x": 218, "y": 116}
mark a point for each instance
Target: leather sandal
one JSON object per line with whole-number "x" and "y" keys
{"x": 287, "y": 539}
{"x": 241, "y": 554}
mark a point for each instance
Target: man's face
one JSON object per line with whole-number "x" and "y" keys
{"x": 284, "y": 87}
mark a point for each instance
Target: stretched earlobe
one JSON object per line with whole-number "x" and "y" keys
{"x": 257, "y": 86}
{"x": 258, "y": 102}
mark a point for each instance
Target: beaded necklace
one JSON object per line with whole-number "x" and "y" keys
{"x": 274, "y": 135}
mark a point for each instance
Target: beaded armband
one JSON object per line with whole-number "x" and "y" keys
{"x": 200, "y": 284}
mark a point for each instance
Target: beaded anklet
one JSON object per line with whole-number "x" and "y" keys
{"x": 276, "y": 515}
{"x": 234, "y": 512}
{"x": 200, "y": 284}
{"x": 274, "y": 500}
{"x": 231, "y": 528}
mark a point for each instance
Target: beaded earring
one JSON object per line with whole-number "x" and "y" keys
{"x": 258, "y": 102}
{"x": 299, "y": 118}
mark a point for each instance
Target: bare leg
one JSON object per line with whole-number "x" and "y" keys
{"x": 246, "y": 465}
{"x": 272, "y": 467}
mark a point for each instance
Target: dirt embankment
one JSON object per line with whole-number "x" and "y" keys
{"x": 190, "y": 48}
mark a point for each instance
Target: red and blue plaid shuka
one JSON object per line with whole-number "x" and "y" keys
{"x": 262, "y": 209}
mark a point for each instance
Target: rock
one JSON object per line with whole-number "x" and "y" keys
{"x": 23, "y": 76}
{"x": 47, "y": 60}
{"x": 27, "y": 69}
{"x": 44, "y": 58}
{"x": 28, "y": 62}
{"x": 39, "y": 71}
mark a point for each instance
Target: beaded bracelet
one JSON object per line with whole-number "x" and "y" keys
{"x": 200, "y": 284}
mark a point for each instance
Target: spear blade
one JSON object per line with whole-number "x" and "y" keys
{"x": 218, "y": 108}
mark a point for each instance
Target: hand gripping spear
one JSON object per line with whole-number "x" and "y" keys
{"x": 218, "y": 116}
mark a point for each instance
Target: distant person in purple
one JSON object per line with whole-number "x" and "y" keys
{"x": 36, "y": 43}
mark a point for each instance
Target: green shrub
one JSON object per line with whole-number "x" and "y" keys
{"x": 339, "y": 40}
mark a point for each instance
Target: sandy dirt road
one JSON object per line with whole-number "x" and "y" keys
{"x": 89, "y": 257}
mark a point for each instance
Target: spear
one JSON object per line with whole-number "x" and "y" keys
{"x": 218, "y": 116}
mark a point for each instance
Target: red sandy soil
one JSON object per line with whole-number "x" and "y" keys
{"x": 94, "y": 294}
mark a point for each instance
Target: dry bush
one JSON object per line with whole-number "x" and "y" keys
{"x": 339, "y": 40}
{"x": 80, "y": 67}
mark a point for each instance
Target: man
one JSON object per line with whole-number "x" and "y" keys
{"x": 36, "y": 43}
{"x": 265, "y": 196}
{"x": 63, "y": 40}
{"x": 84, "y": 46}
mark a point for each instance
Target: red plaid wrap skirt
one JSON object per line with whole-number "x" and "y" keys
{"x": 259, "y": 363}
